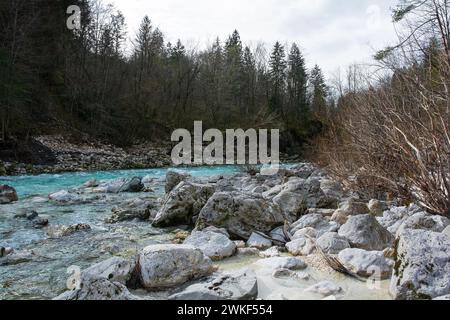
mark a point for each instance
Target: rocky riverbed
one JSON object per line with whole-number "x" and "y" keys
{"x": 214, "y": 233}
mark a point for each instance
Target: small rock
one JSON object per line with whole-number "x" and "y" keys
{"x": 340, "y": 217}
{"x": 366, "y": 263}
{"x": 239, "y": 244}
{"x": 377, "y": 207}
{"x": 240, "y": 285}
{"x": 115, "y": 269}
{"x": 278, "y": 235}
{"x": 32, "y": 215}
{"x": 301, "y": 246}
{"x": 217, "y": 230}
{"x": 248, "y": 251}
{"x": 325, "y": 288}
{"x": 8, "y": 194}
{"x": 214, "y": 245}
{"x": 352, "y": 207}
{"x": 270, "y": 253}
{"x": 64, "y": 196}
{"x": 5, "y": 251}
{"x": 305, "y": 232}
{"x": 98, "y": 289}
{"x": 57, "y": 231}
{"x": 425, "y": 221}
{"x": 317, "y": 222}
{"x": 167, "y": 266}
{"x": 39, "y": 223}
{"x": 332, "y": 243}
{"x": 282, "y": 263}
{"x": 259, "y": 242}
{"x": 173, "y": 178}
{"x": 286, "y": 273}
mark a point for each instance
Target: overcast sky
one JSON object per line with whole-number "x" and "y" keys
{"x": 332, "y": 33}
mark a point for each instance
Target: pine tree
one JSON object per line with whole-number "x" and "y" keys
{"x": 233, "y": 74}
{"x": 249, "y": 80}
{"x": 297, "y": 79}
{"x": 277, "y": 74}
{"x": 319, "y": 93}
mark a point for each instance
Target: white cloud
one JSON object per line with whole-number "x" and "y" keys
{"x": 332, "y": 33}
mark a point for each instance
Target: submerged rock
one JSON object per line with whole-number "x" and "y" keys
{"x": 5, "y": 251}
{"x": 366, "y": 263}
{"x": 214, "y": 245}
{"x": 239, "y": 285}
{"x": 8, "y": 194}
{"x": 286, "y": 273}
{"x": 65, "y": 196}
{"x": 58, "y": 231}
{"x": 182, "y": 204}
{"x": 364, "y": 232}
{"x": 141, "y": 209}
{"x": 422, "y": 265}
{"x": 325, "y": 288}
{"x": 290, "y": 263}
{"x": 166, "y": 266}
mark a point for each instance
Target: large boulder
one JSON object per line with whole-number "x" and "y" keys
{"x": 366, "y": 263}
{"x": 317, "y": 222}
{"x": 364, "y": 232}
{"x": 241, "y": 213}
{"x": 173, "y": 178}
{"x": 7, "y": 194}
{"x": 141, "y": 209}
{"x": 422, "y": 265}
{"x": 167, "y": 266}
{"x": 332, "y": 243}
{"x": 183, "y": 204}
{"x": 214, "y": 245}
{"x": 239, "y": 285}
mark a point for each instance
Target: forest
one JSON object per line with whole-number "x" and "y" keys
{"x": 93, "y": 81}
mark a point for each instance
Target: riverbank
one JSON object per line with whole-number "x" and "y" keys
{"x": 164, "y": 234}
{"x": 58, "y": 154}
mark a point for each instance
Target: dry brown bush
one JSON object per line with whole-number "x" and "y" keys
{"x": 395, "y": 137}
